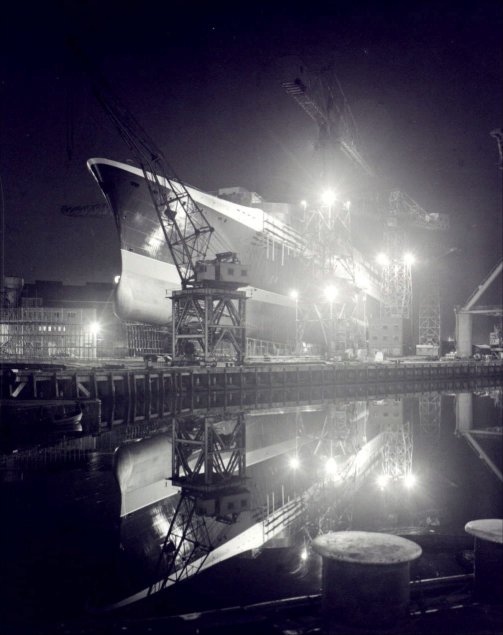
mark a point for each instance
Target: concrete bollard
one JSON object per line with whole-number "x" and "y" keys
{"x": 366, "y": 578}
{"x": 488, "y": 567}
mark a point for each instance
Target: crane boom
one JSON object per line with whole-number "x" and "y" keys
{"x": 186, "y": 230}
{"x": 404, "y": 207}
{"x": 298, "y": 91}
{"x": 326, "y": 104}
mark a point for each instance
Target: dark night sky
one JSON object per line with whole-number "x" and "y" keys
{"x": 423, "y": 80}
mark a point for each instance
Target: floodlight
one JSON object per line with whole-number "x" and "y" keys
{"x": 94, "y": 328}
{"x": 294, "y": 462}
{"x": 410, "y": 481}
{"x": 328, "y": 197}
{"x": 331, "y": 466}
{"x": 382, "y": 480}
{"x": 330, "y": 292}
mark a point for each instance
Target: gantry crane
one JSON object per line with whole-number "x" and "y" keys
{"x": 404, "y": 212}
{"x": 321, "y": 96}
{"x": 208, "y": 310}
{"x": 328, "y": 224}
{"x": 186, "y": 229}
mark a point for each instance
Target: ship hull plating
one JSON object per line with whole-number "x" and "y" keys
{"x": 148, "y": 275}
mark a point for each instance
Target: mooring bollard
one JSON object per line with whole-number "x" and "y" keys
{"x": 488, "y": 566}
{"x": 366, "y": 578}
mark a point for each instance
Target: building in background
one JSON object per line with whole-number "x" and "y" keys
{"x": 48, "y": 319}
{"x": 390, "y": 335}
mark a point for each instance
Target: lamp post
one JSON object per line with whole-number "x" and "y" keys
{"x": 295, "y": 296}
{"x": 330, "y": 294}
{"x": 328, "y": 198}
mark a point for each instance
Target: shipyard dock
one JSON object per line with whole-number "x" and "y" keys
{"x": 131, "y": 392}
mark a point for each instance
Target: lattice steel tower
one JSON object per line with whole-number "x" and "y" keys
{"x": 396, "y": 276}
{"x": 430, "y": 414}
{"x": 429, "y": 313}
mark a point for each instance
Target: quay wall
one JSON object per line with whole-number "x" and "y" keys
{"x": 133, "y": 394}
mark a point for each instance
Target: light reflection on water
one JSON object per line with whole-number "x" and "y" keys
{"x": 420, "y": 464}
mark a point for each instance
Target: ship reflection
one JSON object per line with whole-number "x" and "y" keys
{"x": 309, "y": 470}
{"x": 420, "y": 464}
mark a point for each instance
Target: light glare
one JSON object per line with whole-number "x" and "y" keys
{"x": 382, "y": 480}
{"x": 330, "y": 293}
{"x": 409, "y": 258}
{"x": 328, "y": 197}
{"x": 294, "y": 294}
{"x": 382, "y": 259}
{"x": 409, "y": 481}
{"x": 331, "y": 466}
{"x": 94, "y": 328}
{"x": 294, "y": 462}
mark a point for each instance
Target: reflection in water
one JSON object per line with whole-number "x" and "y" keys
{"x": 481, "y": 434}
{"x": 408, "y": 464}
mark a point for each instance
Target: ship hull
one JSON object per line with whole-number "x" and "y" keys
{"x": 276, "y": 255}
{"x": 148, "y": 275}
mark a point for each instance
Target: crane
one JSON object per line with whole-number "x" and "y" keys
{"x": 328, "y": 225}
{"x": 186, "y": 230}
{"x": 321, "y": 96}
{"x": 208, "y": 310}
{"x": 404, "y": 212}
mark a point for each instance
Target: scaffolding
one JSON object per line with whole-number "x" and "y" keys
{"x": 256, "y": 347}
{"x": 430, "y": 414}
{"x": 146, "y": 339}
{"x": 397, "y": 450}
{"x": 396, "y": 277}
{"x": 429, "y": 314}
{"x": 40, "y": 332}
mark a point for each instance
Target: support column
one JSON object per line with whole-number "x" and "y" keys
{"x": 464, "y": 334}
{"x": 209, "y": 323}
{"x": 464, "y": 412}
